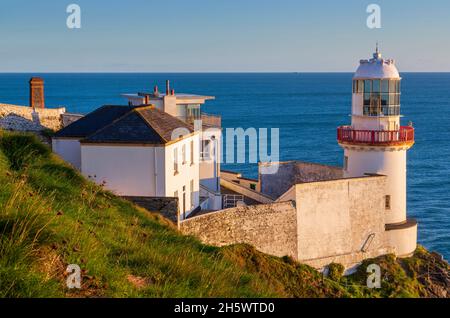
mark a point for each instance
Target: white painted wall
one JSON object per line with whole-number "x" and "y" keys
{"x": 210, "y": 169}
{"x": 187, "y": 171}
{"x": 389, "y": 163}
{"x": 127, "y": 170}
{"x": 404, "y": 240}
{"x": 69, "y": 150}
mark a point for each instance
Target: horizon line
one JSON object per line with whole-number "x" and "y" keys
{"x": 204, "y": 72}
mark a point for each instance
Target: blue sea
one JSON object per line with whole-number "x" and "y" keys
{"x": 306, "y": 107}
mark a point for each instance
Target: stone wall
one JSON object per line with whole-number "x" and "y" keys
{"x": 271, "y": 228}
{"x": 293, "y": 172}
{"x": 23, "y": 118}
{"x": 166, "y": 206}
{"x": 341, "y": 221}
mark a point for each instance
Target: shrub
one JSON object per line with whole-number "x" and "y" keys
{"x": 22, "y": 149}
{"x": 335, "y": 271}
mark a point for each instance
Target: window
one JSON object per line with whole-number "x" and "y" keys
{"x": 360, "y": 86}
{"x": 345, "y": 163}
{"x": 367, "y": 86}
{"x": 183, "y": 154}
{"x": 191, "y": 188}
{"x": 205, "y": 153}
{"x": 193, "y": 111}
{"x": 385, "y": 86}
{"x": 252, "y": 186}
{"x": 192, "y": 152}
{"x": 376, "y": 86}
{"x": 381, "y": 97}
{"x": 175, "y": 160}
{"x": 387, "y": 202}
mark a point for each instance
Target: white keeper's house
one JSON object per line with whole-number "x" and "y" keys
{"x": 151, "y": 148}
{"x": 133, "y": 151}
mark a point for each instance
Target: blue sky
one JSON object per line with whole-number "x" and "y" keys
{"x": 220, "y": 35}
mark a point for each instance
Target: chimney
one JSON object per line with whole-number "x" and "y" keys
{"x": 167, "y": 87}
{"x": 37, "y": 99}
{"x": 155, "y": 91}
{"x": 172, "y": 92}
{"x": 147, "y": 100}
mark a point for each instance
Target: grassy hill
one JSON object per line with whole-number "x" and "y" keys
{"x": 50, "y": 216}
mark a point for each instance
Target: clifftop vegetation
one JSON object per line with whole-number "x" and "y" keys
{"x": 50, "y": 216}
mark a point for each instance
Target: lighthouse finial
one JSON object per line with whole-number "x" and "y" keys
{"x": 377, "y": 54}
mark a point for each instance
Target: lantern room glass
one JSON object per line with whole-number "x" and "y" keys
{"x": 381, "y": 96}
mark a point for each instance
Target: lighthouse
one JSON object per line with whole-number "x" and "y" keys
{"x": 376, "y": 143}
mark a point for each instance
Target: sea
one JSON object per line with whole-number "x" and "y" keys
{"x": 305, "y": 107}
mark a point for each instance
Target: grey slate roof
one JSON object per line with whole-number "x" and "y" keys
{"x": 125, "y": 124}
{"x": 92, "y": 122}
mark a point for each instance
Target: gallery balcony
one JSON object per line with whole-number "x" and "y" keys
{"x": 348, "y": 135}
{"x": 208, "y": 120}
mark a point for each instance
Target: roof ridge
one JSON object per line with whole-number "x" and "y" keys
{"x": 157, "y": 128}
{"x": 149, "y": 107}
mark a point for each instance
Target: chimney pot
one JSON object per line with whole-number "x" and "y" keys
{"x": 172, "y": 92}
{"x": 167, "y": 87}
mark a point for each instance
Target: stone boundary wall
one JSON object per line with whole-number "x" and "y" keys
{"x": 24, "y": 118}
{"x": 271, "y": 228}
{"x": 166, "y": 206}
{"x": 290, "y": 173}
{"x": 341, "y": 221}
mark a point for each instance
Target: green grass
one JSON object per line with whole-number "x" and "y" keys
{"x": 50, "y": 216}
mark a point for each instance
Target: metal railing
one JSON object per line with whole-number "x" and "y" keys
{"x": 231, "y": 200}
{"x": 207, "y": 120}
{"x": 347, "y": 134}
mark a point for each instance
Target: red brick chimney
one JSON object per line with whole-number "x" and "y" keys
{"x": 37, "y": 99}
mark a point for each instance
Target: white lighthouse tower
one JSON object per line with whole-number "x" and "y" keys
{"x": 376, "y": 143}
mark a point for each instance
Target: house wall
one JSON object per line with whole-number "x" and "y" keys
{"x": 336, "y": 218}
{"x": 271, "y": 228}
{"x": 186, "y": 172}
{"x": 210, "y": 169}
{"x": 68, "y": 149}
{"x": 127, "y": 170}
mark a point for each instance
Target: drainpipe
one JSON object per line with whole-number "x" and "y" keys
{"x": 156, "y": 171}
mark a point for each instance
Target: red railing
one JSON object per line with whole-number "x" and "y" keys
{"x": 347, "y": 134}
